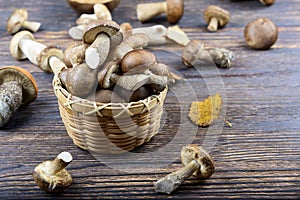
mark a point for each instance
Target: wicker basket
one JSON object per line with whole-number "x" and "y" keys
{"x": 109, "y": 128}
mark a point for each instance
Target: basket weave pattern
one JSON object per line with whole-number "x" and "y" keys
{"x": 108, "y": 128}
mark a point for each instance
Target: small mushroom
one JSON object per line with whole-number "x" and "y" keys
{"x": 267, "y": 2}
{"x": 81, "y": 80}
{"x": 101, "y": 35}
{"x": 51, "y": 175}
{"x": 196, "y": 161}
{"x": 76, "y": 32}
{"x": 261, "y": 34}
{"x": 74, "y": 54}
{"x": 23, "y": 45}
{"x": 173, "y": 8}
{"x": 216, "y": 17}
{"x": 17, "y": 88}
{"x": 100, "y": 12}
{"x": 18, "y": 20}
{"x": 86, "y": 6}
{"x": 195, "y": 51}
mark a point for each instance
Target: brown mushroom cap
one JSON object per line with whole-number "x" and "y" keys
{"x": 29, "y": 85}
{"x": 221, "y": 14}
{"x": 175, "y": 10}
{"x": 197, "y": 153}
{"x": 190, "y": 51}
{"x": 15, "y": 21}
{"x": 137, "y": 61}
{"x": 108, "y": 27}
{"x": 261, "y": 33}
{"x": 43, "y": 58}
{"x": 15, "y": 51}
{"x": 105, "y": 96}
{"x": 267, "y": 2}
{"x": 85, "y": 6}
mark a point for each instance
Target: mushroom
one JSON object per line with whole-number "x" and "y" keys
{"x": 51, "y": 175}
{"x": 133, "y": 96}
{"x": 196, "y": 161}
{"x": 18, "y": 20}
{"x": 173, "y": 8}
{"x": 81, "y": 80}
{"x": 23, "y": 45}
{"x": 74, "y": 54}
{"x": 106, "y": 96}
{"x": 195, "y": 51}
{"x": 134, "y": 66}
{"x": 100, "y": 12}
{"x": 17, "y": 88}
{"x": 216, "y": 17}
{"x": 101, "y": 35}
{"x": 267, "y": 2}
{"x": 164, "y": 70}
{"x": 135, "y": 41}
{"x": 86, "y": 6}
{"x": 261, "y": 33}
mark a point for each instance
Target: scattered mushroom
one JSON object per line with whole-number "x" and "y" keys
{"x": 101, "y": 35}
{"x": 176, "y": 34}
{"x": 216, "y": 17}
{"x": 17, "y": 88}
{"x": 196, "y": 161}
{"x": 261, "y": 34}
{"x": 100, "y": 12}
{"x": 51, "y": 175}
{"x": 18, "y": 20}
{"x": 173, "y": 8}
{"x": 74, "y": 54}
{"x": 23, "y": 45}
{"x": 86, "y": 6}
{"x": 76, "y": 32}
{"x": 126, "y": 29}
{"x": 195, "y": 51}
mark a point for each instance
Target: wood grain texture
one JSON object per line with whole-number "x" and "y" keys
{"x": 258, "y": 158}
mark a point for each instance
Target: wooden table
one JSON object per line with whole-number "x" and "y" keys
{"x": 257, "y": 158}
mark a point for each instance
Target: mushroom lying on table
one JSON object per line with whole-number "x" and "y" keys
{"x": 173, "y": 8}
{"x": 216, "y": 17}
{"x": 18, "y": 20}
{"x": 51, "y": 175}
{"x": 17, "y": 88}
{"x": 196, "y": 161}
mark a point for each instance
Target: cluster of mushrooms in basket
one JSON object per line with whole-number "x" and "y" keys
{"x": 108, "y": 62}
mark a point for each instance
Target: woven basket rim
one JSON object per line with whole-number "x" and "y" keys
{"x": 63, "y": 95}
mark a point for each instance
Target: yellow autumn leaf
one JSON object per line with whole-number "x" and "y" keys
{"x": 203, "y": 113}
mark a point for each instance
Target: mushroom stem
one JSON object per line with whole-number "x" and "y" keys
{"x": 213, "y": 24}
{"x": 59, "y": 163}
{"x": 176, "y": 34}
{"x": 172, "y": 181}
{"x": 147, "y": 11}
{"x": 56, "y": 65}
{"x": 86, "y": 18}
{"x": 157, "y": 34}
{"x": 10, "y": 100}
{"x": 33, "y": 26}
{"x": 31, "y": 49}
{"x": 76, "y": 32}
{"x": 97, "y": 52}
